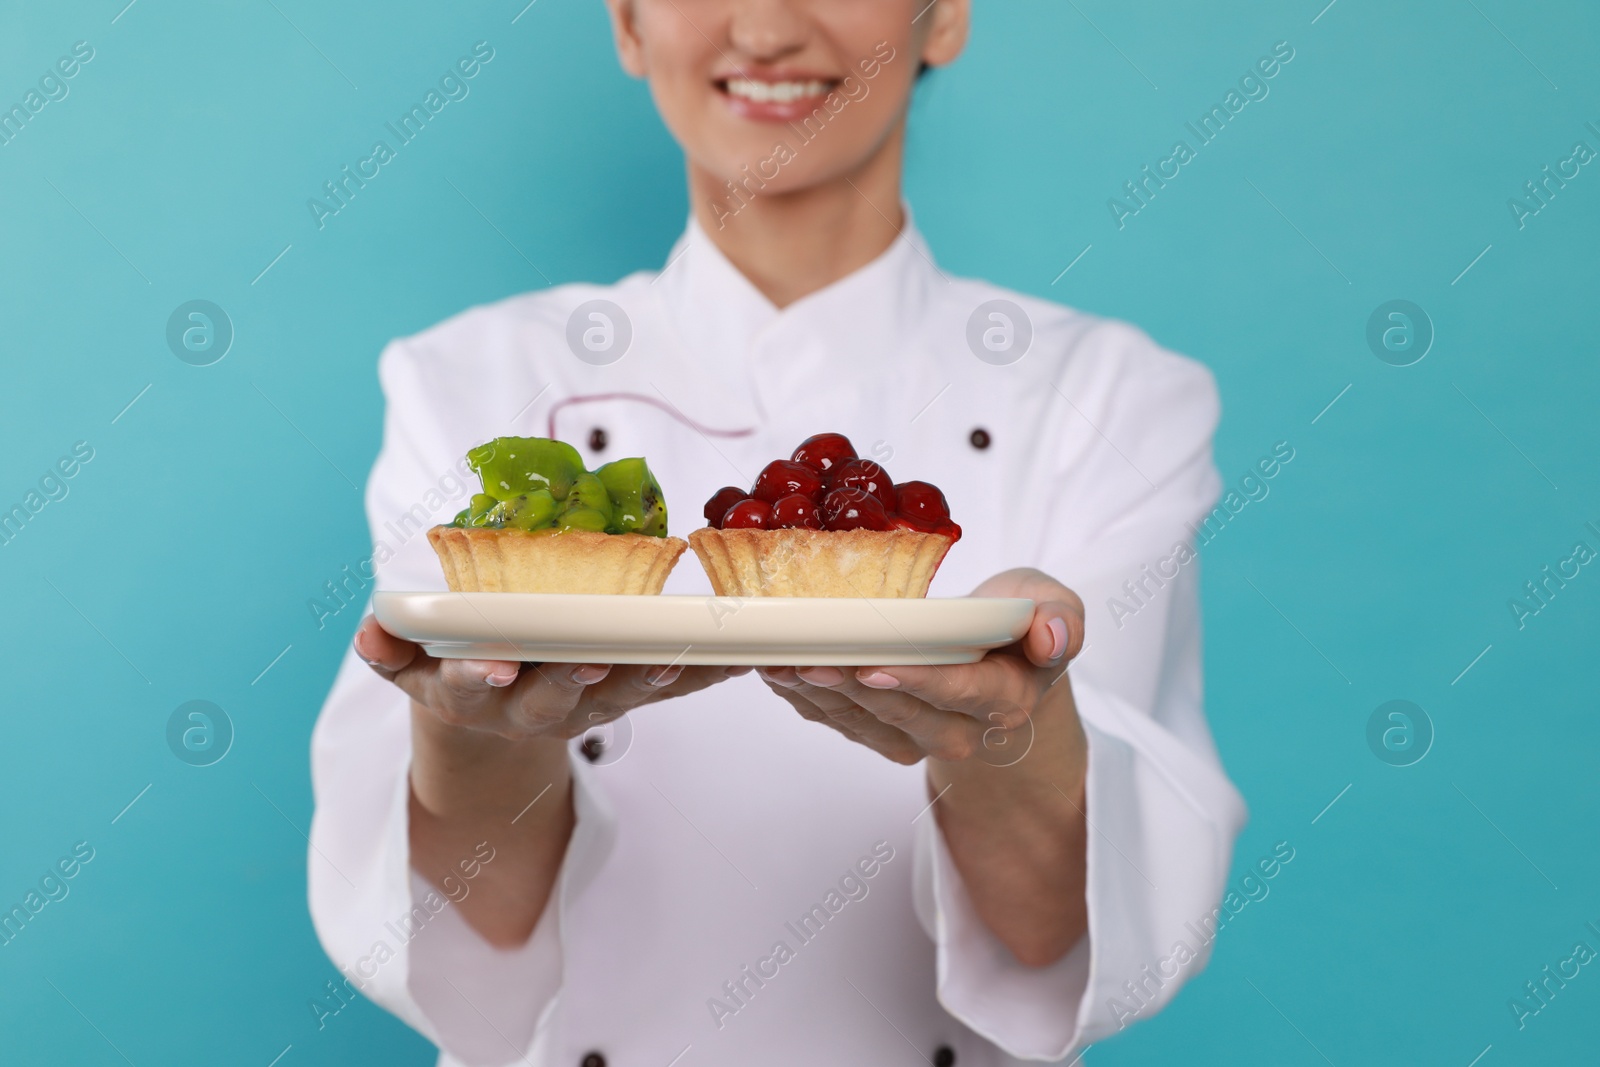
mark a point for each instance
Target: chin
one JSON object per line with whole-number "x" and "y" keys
{"x": 777, "y": 145}
{"x": 779, "y": 164}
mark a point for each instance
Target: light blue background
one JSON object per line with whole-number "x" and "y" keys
{"x": 180, "y": 564}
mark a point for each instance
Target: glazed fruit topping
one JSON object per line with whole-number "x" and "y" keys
{"x": 748, "y": 514}
{"x": 824, "y": 451}
{"x": 826, "y": 486}
{"x": 867, "y": 475}
{"x": 796, "y": 512}
{"x": 922, "y": 506}
{"x": 854, "y": 509}
{"x": 921, "y": 502}
{"x": 783, "y": 477}
{"x": 536, "y": 483}
{"x": 720, "y": 502}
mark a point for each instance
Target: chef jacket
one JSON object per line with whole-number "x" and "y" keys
{"x": 744, "y": 886}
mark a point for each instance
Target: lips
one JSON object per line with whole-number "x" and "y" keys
{"x": 775, "y": 97}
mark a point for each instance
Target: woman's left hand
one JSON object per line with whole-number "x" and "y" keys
{"x": 1007, "y": 762}
{"x": 955, "y": 712}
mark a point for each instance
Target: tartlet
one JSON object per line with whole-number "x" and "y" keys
{"x": 825, "y": 523}
{"x": 546, "y": 524}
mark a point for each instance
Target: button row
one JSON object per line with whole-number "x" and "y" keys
{"x": 598, "y": 439}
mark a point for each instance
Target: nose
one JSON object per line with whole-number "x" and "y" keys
{"x": 766, "y": 31}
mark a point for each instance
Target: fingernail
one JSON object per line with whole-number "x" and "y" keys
{"x": 1058, "y": 636}
{"x": 823, "y": 676}
{"x": 500, "y": 679}
{"x": 738, "y": 672}
{"x": 786, "y": 680}
{"x": 879, "y": 680}
{"x": 360, "y": 644}
{"x": 664, "y": 677}
{"x": 589, "y": 673}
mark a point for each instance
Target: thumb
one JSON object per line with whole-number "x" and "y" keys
{"x": 1056, "y": 633}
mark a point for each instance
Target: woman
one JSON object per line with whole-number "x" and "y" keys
{"x": 734, "y": 885}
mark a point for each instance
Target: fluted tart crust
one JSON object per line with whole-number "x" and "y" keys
{"x": 819, "y": 563}
{"x": 509, "y": 560}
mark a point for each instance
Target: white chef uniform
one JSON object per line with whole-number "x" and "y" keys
{"x": 717, "y": 827}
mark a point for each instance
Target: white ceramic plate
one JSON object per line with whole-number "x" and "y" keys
{"x": 702, "y": 630}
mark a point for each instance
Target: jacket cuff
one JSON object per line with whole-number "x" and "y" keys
{"x": 396, "y": 938}
{"x": 1161, "y": 825}
{"x": 488, "y": 1006}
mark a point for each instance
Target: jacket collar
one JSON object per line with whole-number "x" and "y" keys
{"x": 726, "y": 320}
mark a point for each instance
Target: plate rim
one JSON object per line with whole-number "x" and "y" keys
{"x": 729, "y": 648}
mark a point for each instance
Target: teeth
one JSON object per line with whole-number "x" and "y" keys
{"x": 775, "y": 92}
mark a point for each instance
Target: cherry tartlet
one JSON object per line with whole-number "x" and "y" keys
{"x": 825, "y": 522}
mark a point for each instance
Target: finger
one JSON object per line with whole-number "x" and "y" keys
{"x": 694, "y": 679}
{"x": 942, "y": 734}
{"x": 626, "y": 688}
{"x": 814, "y": 700}
{"x": 854, "y": 722}
{"x": 1055, "y": 634}
{"x": 999, "y": 690}
{"x": 457, "y": 690}
{"x": 1047, "y": 641}
{"x": 388, "y": 654}
{"x": 571, "y": 698}
{"x": 382, "y": 650}
{"x": 780, "y": 676}
{"x": 945, "y": 734}
{"x": 547, "y": 694}
{"x": 865, "y": 729}
{"x": 464, "y": 692}
{"x": 794, "y": 692}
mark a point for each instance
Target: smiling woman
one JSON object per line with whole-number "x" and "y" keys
{"x": 800, "y": 299}
{"x": 732, "y": 80}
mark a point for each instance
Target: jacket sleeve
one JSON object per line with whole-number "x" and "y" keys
{"x": 1162, "y": 813}
{"x": 396, "y": 937}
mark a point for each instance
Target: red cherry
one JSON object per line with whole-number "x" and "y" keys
{"x": 851, "y": 508}
{"x": 782, "y": 477}
{"x": 720, "y": 502}
{"x": 824, "y": 451}
{"x": 867, "y": 475}
{"x": 921, "y": 502}
{"x": 795, "y": 512}
{"x": 748, "y": 515}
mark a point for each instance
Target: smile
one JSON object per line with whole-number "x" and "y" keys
{"x": 775, "y": 96}
{"x": 783, "y": 92}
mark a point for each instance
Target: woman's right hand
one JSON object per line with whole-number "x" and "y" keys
{"x": 524, "y": 701}
{"x": 489, "y": 739}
